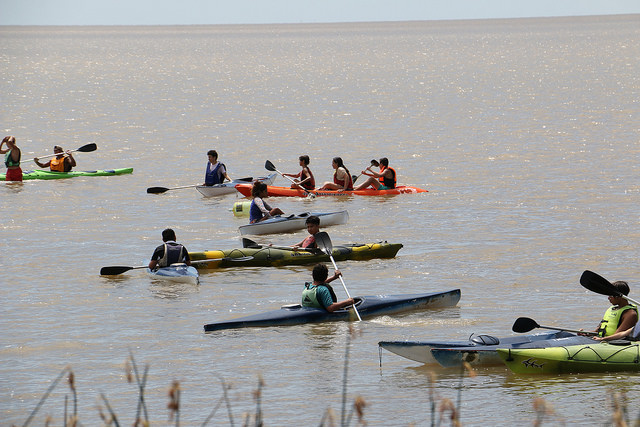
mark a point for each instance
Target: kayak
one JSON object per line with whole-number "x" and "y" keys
{"x": 230, "y": 187}
{"x": 176, "y": 273}
{"x": 601, "y": 357}
{"x": 368, "y": 306}
{"x": 265, "y": 256}
{"x": 477, "y": 350}
{"x": 245, "y": 189}
{"x": 292, "y": 223}
{"x": 47, "y": 174}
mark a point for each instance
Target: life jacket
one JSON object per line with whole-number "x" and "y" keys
{"x": 58, "y": 165}
{"x": 255, "y": 214}
{"x": 311, "y": 184}
{"x": 309, "y": 242}
{"x": 310, "y": 296}
{"x": 9, "y": 162}
{"x": 611, "y": 319}
{"x": 173, "y": 253}
{"x": 213, "y": 176}
{"x": 389, "y": 183}
{"x": 341, "y": 182}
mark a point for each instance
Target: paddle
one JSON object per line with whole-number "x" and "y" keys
{"x": 598, "y": 284}
{"x": 374, "y": 162}
{"x": 119, "y": 269}
{"x": 525, "y": 324}
{"x": 269, "y": 166}
{"x": 324, "y": 243}
{"x": 248, "y": 243}
{"x": 84, "y": 149}
{"x": 160, "y": 190}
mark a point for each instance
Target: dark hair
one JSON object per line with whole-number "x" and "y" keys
{"x": 621, "y": 286}
{"x": 384, "y": 161}
{"x": 338, "y": 161}
{"x": 320, "y": 273}
{"x": 313, "y": 220}
{"x": 258, "y": 187}
{"x": 305, "y": 159}
{"x": 168, "y": 234}
{"x": 213, "y": 153}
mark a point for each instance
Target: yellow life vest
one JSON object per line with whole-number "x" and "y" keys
{"x": 57, "y": 164}
{"x": 611, "y": 319}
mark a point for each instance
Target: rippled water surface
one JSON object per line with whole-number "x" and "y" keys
{"x": 525, "y": 133}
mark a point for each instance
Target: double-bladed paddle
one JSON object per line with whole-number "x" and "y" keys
{"x": 119, "y": 269}
{"x": 324, "y": 243}
{"x": 525, "y": 324}
{"x": 84, "y": 149}
{"x": 160, "y": 190}
{"x": 248, "y": 243}
{"x": 270, "y": 167}
{"x": 598, "y": 284}
{"x": 374, "y": 162}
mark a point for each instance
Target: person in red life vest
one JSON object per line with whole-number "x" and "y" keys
{"x": 305, "y": 177}
{"x": 62, "y": 162}
{"x": 169, "y": 252}
{"x": 313, "y": 228}
{"x": 342, "y": 179}
{"x": 383, "y": 180}
{"x": 12, "y": 156}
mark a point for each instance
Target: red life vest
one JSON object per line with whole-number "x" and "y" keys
{"x": 389, "y": 183}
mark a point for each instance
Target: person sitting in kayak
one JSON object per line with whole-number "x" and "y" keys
{"x": 619, "y": 319}
{"x": 319, "y": 294}
{"x": 12, "y": 156}
{"x": 216, "y": 172}
{"x": 305, "y": 177}
{"x": 341, "y": 177}
{"x": 383, "y": 180}
{"x": 170, "y": 252}
{"x": 62, "y": 162}
{"x": 313, "y": 227}
{"x": 259, "y": 209}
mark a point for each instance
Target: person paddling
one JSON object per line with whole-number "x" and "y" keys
{"x": 313, "y": 227}
{"x": 319, "y": 294}
{"x": 620, "y": 319}
{"x": 383, "y": 180}
{"x": 305, "y": 177}
{"x": 169, "y": 252}
{"x": 259, "y": 209}
{"x": 12, "y": 156}
{"x": 62, "y": 162}
{"x": 216, "y": 171}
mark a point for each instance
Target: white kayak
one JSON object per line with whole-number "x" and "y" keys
{"x": 292, "y": 223}
{"x": 176, "y": 273}
{"x": 230, "y": 187}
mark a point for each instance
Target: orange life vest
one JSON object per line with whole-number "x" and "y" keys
{"x": 389, "y": 183}
{"x": 57, "y": 164}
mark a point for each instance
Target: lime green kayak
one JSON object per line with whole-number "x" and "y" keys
{"x": 266, "y": 256}
{"x": 597, "y": 357}
{"x": 46, "y": 174}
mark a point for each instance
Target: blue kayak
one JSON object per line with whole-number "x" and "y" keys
{"x": 176, "y": 273}
{"x": 479, "y": 349}
{"x": 368, "y": 306}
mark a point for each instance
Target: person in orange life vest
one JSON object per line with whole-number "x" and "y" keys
{"x": 169, "y": 252}
{"x": 305, "y": 177}
{"x": 259, "y": 209}
{"x": 620, "y": 319}
{"x": 383, "y": 180}
{"x": 313, "y": 227}
{"x": 341, "y": 177}
{"x": 62, "y": 162}
{"x": 12, "y": 156}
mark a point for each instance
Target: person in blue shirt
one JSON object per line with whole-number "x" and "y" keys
{"x": 319, "y": 294}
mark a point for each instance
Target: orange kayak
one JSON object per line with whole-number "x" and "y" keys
{"x": 272, "y": 191}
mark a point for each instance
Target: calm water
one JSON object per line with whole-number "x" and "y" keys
{"x": 525, "y": 132}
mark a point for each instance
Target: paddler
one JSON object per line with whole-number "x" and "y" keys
{"x": 12, "y": 156}
{"x": 385, "y": 179}
{"x": 62, "y": 162}
{"x": 319, "y": 294}
{"x": 169, "y": 252}
{"x": 342, "y": 179}
{"x": 259, "y": 209}
{"x": 313, "y": 228}
{"x": 305, "y": 178}
{"x": 619, "y": 319}
{"x": 216, "y": 171}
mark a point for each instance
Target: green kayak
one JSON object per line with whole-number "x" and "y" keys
{"x": 266, "y": 256}
{"x": 597, "y": 357}
{"x": 46, "y": 174}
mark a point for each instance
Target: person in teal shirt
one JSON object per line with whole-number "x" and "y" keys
{"x": 319, "y": 294}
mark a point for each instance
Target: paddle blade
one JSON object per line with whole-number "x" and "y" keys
{"x": 157, "y": 190}
{"x": 324, "y": 242}
{"x": 87, "y": 148}
{"x": 113, "y": 270}
{"x": 524, "y": 324}
{"x": 374, "y": 162}
{"x": 598, "y": 284}
{"x": 248, "y": 243}
{"x": 269, "y": 166}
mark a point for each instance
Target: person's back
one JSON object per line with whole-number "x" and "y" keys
{"x": 170, "y": 252}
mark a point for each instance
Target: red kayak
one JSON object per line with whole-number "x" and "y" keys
{"x": 245, "y": 189}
